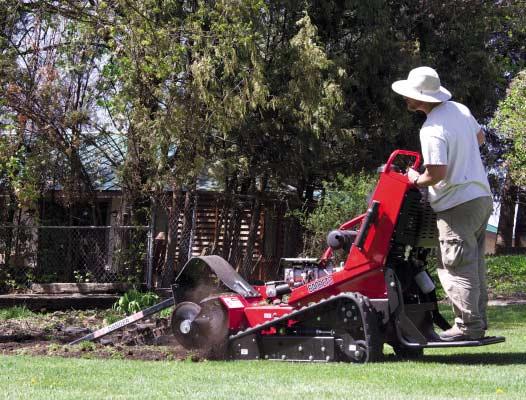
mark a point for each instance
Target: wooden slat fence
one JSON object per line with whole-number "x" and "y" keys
{"x": 222, "y": 226}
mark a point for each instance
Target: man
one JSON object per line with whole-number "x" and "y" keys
{"x": 459, "y": 193}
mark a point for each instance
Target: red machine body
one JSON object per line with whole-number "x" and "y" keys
{"x": 363, "y": 270}
{"x": 381, "y": 294}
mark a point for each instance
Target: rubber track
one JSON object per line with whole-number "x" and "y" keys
{"x": 370, "y": 325}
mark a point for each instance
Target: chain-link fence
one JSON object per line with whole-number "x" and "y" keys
{"x": 252, "y": 234}
{"x": 72, "y": 254}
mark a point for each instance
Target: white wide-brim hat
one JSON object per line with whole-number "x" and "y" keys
{"x": 422, "y": 84}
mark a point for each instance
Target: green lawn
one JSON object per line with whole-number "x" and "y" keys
{"x": 497, "y": 371}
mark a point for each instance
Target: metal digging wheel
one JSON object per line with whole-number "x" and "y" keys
{"x": 182, "y": 323}
{"x": 202, "y": 327}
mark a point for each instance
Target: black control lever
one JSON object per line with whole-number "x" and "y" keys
{"x": 370, "y": 218}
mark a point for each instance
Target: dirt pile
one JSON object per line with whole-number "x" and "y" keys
{"x": 49, "y": 334}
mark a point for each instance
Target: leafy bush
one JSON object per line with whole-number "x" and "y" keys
{"x": 510, "y": 120}
{"x": 507, "y": 275}
{"x": 134, "y": 301}
{"x": 342, "y": 200}
{"x": 129, "y": 255}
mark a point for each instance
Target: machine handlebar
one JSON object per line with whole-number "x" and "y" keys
{"x": 369, "y": 219}
{"x": 368, "y": 216}
{"x": 397, "y": 153}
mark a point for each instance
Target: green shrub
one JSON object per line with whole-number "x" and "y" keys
{"x": 134, "y": 301}
{"x": 342, "y": 200}
{"x": 507, "y": 275}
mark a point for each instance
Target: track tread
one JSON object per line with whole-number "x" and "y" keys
{"x": 373, "y": 338}
{"x": 372, "y": 335}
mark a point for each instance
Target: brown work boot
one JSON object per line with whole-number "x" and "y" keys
{"x": 454, "y": 334}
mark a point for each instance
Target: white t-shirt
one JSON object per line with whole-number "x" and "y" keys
{"x": 449, "y": 137}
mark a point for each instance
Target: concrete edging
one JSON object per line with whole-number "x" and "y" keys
{"x": 80, "y": 288}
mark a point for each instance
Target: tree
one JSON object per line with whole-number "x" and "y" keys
{"x": 510, "y": 120}
{"x": 49, "y": 95}
{"x": 215, "y": 87}
{"x": 343, "y": 199}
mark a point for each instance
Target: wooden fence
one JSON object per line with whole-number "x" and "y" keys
{"x": 210, "y": 223}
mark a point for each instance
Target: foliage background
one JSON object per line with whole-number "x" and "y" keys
{"x": 258, "y": 94}
{"x": 263, "y": 96}
{"x": 341, "y": 199}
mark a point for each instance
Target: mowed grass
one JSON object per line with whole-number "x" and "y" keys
{"x": 491, "y": 372}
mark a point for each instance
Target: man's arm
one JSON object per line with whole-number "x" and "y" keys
{"x": 431, "y": 176}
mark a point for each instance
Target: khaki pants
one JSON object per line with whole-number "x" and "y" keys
{"x": 462, "y": 269}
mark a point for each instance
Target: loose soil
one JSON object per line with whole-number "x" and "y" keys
{"x": 148, "y": 339}
{"x": 49, "y": 334}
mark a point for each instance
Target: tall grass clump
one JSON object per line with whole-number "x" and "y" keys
{"x": 16, "y": 312}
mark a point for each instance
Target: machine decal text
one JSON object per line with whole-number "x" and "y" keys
{"x": 320, "y": 283}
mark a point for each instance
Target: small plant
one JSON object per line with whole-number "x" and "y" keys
{"x": 83, "y": 277}
{"x": 166, "y": 313}
{"x": 86, "y": 346}
{"x": 53, "y": 347}
{"x": 134, "y": 301}
{"x": 16, "y": 312}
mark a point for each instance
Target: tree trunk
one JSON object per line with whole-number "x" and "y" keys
{"x": 506, "y": 218}
{"x": 520, "y": 223}
{"x": 225, "y": 226}
{"x": 217, "y": 227}
{"x": 223, "y": 220}
{"x": 158, "y": 259}
{"x": 234, "y": 249}
{"x": 248, "y": 267}
{"x": 8, "y": 237}
{"x": 187, "y": 228}
{"x": 168, "y": 271}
